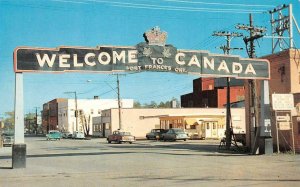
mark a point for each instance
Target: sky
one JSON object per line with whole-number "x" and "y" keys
{"x": 90, "y": 23}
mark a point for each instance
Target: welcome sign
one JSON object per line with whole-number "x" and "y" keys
{"x": 152, "y": 55}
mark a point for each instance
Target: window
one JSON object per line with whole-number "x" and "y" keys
{"x": 193, "y": 127}
{"x": 298, "y": 127}
{"x": 92, "y": 111}
{"x": 207, "y": 126}
{"x": 99, "y": 111}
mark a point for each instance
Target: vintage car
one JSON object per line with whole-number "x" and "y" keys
{"x": 53, "y": 135}
{"x": 78, "y": 135}
{"x": 66, "y": 135}
{"x": 175, "y": 134}
{"x": 120, "y": 136}
{"x": 8, "y": 138}
{"x": 155, "y": 134}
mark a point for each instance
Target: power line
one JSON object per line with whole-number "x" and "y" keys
{"x": 164, "y": 7}
{"x": 223, "y": 4}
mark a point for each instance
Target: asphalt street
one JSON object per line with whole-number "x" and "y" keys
{"x": 145, "y": 163}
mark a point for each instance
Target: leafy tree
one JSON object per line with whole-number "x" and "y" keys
{"x": 9, "y": 120}
{"x": 30, "y": 122}
{"x": 137, "y": 104}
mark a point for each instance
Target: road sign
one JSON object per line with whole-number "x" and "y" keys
{"x": 152, "y": 55}
{"x": 284, "y": 125}
{"x": 283, "y": 118}
{"x": 282, "y": 101}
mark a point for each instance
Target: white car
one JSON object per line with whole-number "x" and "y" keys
{"x": 78, "y": 135}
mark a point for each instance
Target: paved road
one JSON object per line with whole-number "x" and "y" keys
{"x": 145, "y": 163}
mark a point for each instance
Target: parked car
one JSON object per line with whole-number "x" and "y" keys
{"x": 66, "y": 135}
{"x": 8, "y": 138}
{"x": 175, "y": 134}
{"x": 120, "y": 136}
{"x": 78, "y": 135}
{"x": 155, "y": 134}
{"x": 53, "y": 135}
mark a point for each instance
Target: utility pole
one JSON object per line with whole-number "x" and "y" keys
{"x": 226, "y": 49}
{"x": 36, "y": 115}
{"x": 255, "y": 33}
{"x": 282, "y": 27}
{"x": 119, "y": 101}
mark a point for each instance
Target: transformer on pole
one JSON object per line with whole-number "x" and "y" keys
{"x": 282, "y": 20}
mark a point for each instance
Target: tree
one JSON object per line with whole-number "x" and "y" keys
{"x": 30, "y": 122}
{"x": 137, "y": 104}
{"x": 85, "y": 121}
{"x": 9, "y": 120}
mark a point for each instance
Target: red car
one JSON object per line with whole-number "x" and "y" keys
{"x": 120, "y": 136}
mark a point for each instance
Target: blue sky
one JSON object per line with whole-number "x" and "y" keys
{"x": 53, "y": 23}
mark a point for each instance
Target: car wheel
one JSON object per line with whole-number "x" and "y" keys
{"x": 147, "y": 137}
{"x": 109, "y": 141}
{"x": 184, "y": 139}
{"x": 130, "y": 142}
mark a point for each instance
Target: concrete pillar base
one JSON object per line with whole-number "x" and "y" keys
{"x": 18, "y": 156}
{"x": 266, "y": 146}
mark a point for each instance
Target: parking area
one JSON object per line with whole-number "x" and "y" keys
{"x": 148, "y": 162}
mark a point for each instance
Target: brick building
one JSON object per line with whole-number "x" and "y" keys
{"x": 285, "y": 78}
{"x": 211, "y": 92}
{"x": 50, "y": 115}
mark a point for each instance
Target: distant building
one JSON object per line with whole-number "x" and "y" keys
{"x": 59, "y": 114}
{"x": 194, "y": 121}
{"x": 87, "y": 109}
{"x": 211, "y": 92}
{"x": 50, "y": 115}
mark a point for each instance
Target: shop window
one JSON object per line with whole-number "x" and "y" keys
{"x": 193, "y": 127}
{"x": 207, "y": 126}
{"x": 214, "y": 126}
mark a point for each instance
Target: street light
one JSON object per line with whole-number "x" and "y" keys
{"x": 76, "y": 110}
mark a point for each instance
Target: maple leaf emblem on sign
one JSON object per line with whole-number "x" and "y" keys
{"x": 147, "y": 51}
{"x": 166, "y": 52}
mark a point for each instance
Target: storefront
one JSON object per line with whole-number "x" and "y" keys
{"x": 197, "y": 126}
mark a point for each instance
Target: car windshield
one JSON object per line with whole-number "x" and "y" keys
{"x": 125, "y": 133}
{"x": 178, "y": 130}
{"x": 53, "y": 132}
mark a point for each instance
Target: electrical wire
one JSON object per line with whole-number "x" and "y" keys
{"x": 223, "y": 4}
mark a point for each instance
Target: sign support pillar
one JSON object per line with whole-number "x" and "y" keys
{"x": 266, "y": 140}
{"x": 19, "y": 147}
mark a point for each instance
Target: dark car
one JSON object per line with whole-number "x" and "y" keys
{"x": 8, "y": 138}
{"x": 175, "y": 134}
{"x": 120, "y": 137}
{"x": 155, "y": 134}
